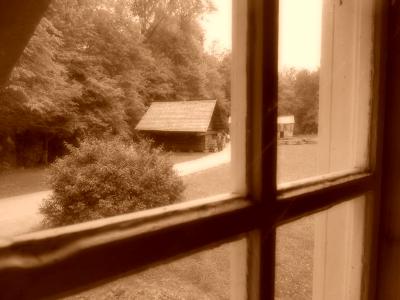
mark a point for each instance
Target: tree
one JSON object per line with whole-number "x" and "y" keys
{"x": 172, "y": 31}
{"x": 224, "y": 69}
{"x": 38, "y": 94}
{"x": 287, "y": 101}
{"x": 103, "y": 54}
{"x": 39, "y": 83}
{"x": 154, "y": 14}
{"x": 103, "y": 178}
{"x": 299, "y": 95}
{"x": 307, "y": 92}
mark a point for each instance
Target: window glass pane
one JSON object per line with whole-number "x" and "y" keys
{"x": 324, "y": 93}
{"x": 209, "y": 274}
{"x": 320, "y": 256}
{"x": 99, "y": 88}
{"x": 298, "y": 88}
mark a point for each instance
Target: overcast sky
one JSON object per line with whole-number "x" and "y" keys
{"x": 299, "y": 34}
{"x": 218, "y": 25}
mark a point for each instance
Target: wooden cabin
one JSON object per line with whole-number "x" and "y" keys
{"x": 285, "y": 126}
{"x": 184, "y": 125}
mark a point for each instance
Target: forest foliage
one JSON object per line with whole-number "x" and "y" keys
{"x": 298, "y": 95}
{"x": 93, "y": 67}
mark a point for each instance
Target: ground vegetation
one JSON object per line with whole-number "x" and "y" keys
{"x": 108, "y": 177}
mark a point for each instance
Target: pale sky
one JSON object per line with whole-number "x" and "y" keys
{"x": 299, "y": 34}
{"x": 218, "y": 25}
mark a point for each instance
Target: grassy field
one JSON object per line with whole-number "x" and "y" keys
{"x": 294, "y": 260}
{"x": 22, "y": 181}
{"x": 206, "y": 275}
{"x": 296, "y": 162}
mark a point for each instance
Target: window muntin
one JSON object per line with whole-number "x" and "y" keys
{"x": 250, "y": 216}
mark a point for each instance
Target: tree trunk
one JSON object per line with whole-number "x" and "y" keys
{"x": 19, "y": 149}
{"x": 45, "y": 158}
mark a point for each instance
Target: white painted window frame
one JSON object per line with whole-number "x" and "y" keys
{"x": 52, "y": 262}
{"x": 345, "y": 110}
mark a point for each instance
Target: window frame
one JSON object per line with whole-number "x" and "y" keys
{"x": 64, "y": 260}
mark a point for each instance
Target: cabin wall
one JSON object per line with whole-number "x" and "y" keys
{"x": 212, "y": 141}
{"x": 285, "y": 130}
{"x": 219, "y": 122}
{"x": 215, "y": 141}
{"x": 178, "y": 141}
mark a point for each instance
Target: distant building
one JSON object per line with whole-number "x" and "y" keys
{"x": 184, "y": 125}
{"x": 285, "y": 126}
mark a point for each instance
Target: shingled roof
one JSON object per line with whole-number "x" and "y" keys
{"x": 178, "y": 116}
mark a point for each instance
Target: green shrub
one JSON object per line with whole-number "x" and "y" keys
{"x": 104, "y": 178}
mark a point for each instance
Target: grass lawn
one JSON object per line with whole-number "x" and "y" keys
{"x": 294, "y": 259}
{"x": 296, "y": 162}
{"x": 22, "y": 181}
{"x": 207, "y": 183}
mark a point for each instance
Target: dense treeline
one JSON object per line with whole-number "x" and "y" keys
{"x": 298, "y": 95}
{"x": 93, "y": 66}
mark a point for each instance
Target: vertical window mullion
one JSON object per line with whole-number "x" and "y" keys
{"x": 262, "y": 144}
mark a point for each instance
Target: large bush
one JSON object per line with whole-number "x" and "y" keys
{"x": 105, "y": 178}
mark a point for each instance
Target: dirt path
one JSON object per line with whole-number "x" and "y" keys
{"x": 20, "y": 214}
{"x": 203, "y": 163}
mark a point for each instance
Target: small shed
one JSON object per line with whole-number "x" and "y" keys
{"x": 184, "y": 125}
{"x": 285, "y": 126}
